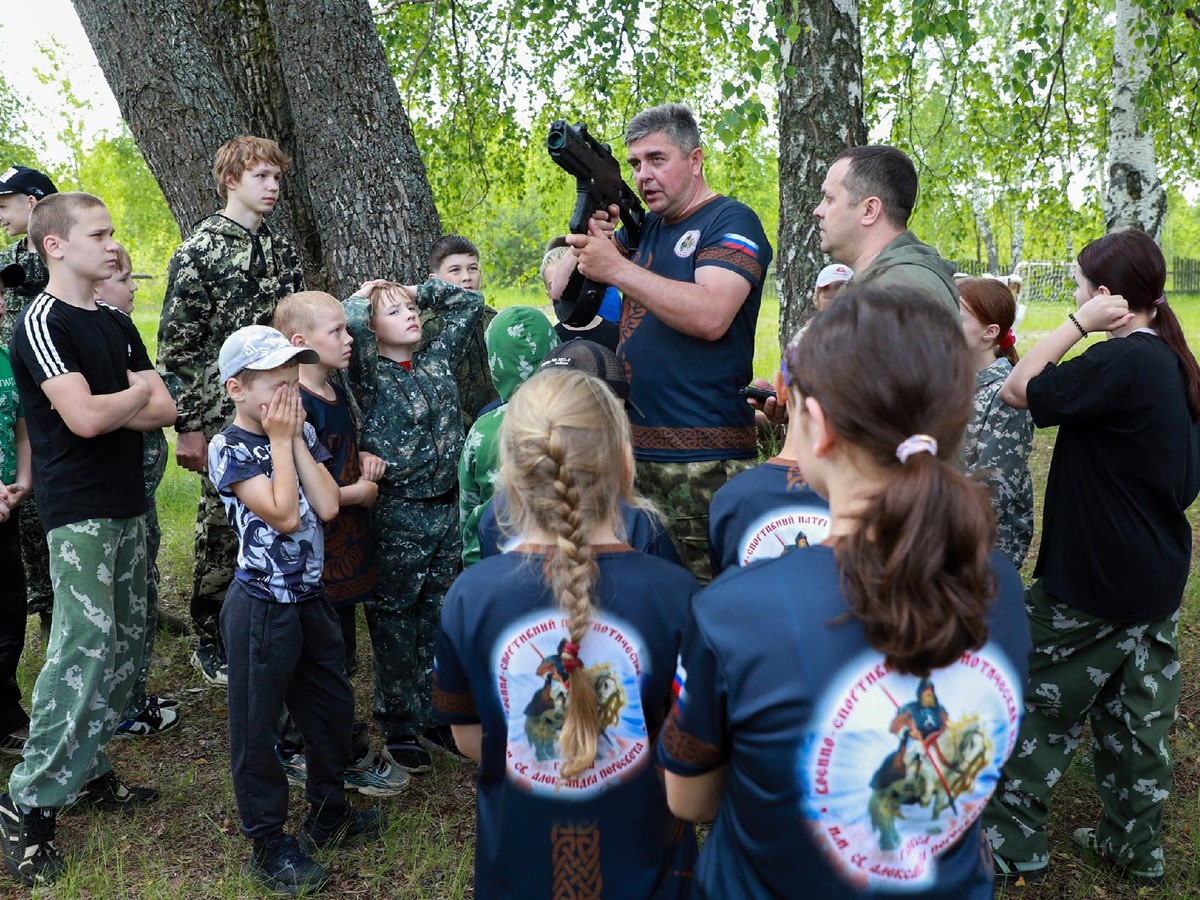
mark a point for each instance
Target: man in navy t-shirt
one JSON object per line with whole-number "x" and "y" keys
{"x": 692, "y": 286}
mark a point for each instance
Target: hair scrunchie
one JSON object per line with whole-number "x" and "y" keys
{"x": 916, "y": 443}
{"x": 1009, "y": 339}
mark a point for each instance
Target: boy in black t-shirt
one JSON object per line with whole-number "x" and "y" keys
{"x": 88, "y": 390}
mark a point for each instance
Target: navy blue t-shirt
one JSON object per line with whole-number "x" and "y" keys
{"x": 840, "y": 771}
{"x": 687, "y": 387}
{"x": 642, "y": 533}
{"x": 763, "y": 513}
{"x": 498, "y": 664}
{"x": 350, "y": 570}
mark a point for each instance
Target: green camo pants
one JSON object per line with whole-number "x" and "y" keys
{"x": 98, "y": 568}
{"x": 682, "y": 492}
{"x": 1125, "y": 680}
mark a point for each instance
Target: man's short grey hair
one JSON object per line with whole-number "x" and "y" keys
{"x": 674, "y": 120}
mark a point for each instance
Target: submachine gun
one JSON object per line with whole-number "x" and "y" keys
{"x": 598, "y": 185}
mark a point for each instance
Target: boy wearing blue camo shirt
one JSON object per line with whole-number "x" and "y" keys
{"x": 283, "y": 641}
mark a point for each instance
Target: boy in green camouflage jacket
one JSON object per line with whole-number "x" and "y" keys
{"x": 412, "y": 421}
{"x": 230, "y": 273}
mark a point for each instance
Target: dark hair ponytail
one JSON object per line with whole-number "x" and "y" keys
{"x": 886, "y": 364}
{"x": 1131, "y": 264}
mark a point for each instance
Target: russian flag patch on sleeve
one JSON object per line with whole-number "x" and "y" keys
{"x": 740, "y": 243}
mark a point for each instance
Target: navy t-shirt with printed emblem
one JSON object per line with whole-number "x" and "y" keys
{"x": 277, "y": 568}
{"x": 687, "y": 387}
{"x": 763, "y": 513}
{"x": 839, "y": 770}
{"x": 498, "y": 663}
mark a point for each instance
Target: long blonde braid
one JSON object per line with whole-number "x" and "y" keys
{"x": 565, "y": 439}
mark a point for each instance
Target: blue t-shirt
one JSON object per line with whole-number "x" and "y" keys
{"x": 610, "y": 305}
{"x": 643, "y": 533}
{"x": 869, "y": 782}
{"x": 763, "y": 513}
{"x": 279, "y": 568}
{"x": 498, "y": 664}
{"x": 350, "y": 570}
{"x": 687, "y": 387}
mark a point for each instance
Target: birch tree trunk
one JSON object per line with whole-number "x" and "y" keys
{"x": 311, "y": 74}
{"x": 820, "y": 115}
{"x": 1135, "y": 196}
{"x": 985, "y": 232}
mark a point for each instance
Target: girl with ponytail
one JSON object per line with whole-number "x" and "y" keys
{"x": 999, "y": 438}
{"x": 845, "y": 709}
{"x": 554, "y": 664}
{"x": 1114, "y": 558}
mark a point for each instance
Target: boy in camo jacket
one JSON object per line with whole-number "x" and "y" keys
{"x": 412, "y": 421}
{"x": 230, "y": 273}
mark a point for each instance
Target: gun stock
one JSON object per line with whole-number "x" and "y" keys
{"x": 598, "y": 185}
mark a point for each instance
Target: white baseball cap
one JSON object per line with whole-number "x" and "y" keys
{"x": 260, "y": 348}
{"x": 832, "y": 274}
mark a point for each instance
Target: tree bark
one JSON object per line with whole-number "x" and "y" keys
{"x": 979, "y": 209}
{"x": 190, "y": 75}
{"x": 1135, "y": 196}
{"x": 820, "y": 115}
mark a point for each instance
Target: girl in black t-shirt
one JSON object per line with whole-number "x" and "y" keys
{"x": 1113, "y": 562}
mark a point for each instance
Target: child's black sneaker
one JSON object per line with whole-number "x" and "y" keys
{"x": 162, "y": 702}
{"x": 360, "y": 826}
{"x": 153, "y": 721}
{"x": 407, "y": 754}
{"x": 279, "y": 865}
{"x": 440, "y": 739}
{"x": 210, "y": 663}
{"x": 110, "y": 794}
{"x": 28, "y": 843}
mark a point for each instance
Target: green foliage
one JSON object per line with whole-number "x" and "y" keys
{"x": 14, "y": 132}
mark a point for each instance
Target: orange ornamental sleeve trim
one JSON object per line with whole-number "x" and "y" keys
{"x": 453, "y": 704}
{"x": 736, "y": 258}
{"x": 690, "y": 751}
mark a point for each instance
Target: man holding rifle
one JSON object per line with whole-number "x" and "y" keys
{"x": 692, "y": 286}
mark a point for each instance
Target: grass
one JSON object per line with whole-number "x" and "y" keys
{"x": 188, "y": 843}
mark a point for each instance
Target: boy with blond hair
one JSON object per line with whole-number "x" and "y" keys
{"x": 315, "y": 320}
{"x": 230, "y": 273}
{"x": 89, "y": 391}
{"x": 282, "y": 638}
{"x": 405, "y": 388}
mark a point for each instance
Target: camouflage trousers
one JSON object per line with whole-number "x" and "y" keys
{"x": 98, "y": 569}
{"x": 418, "y": 546}
{"x": 1125, "y": 679}
{"x": 216, "y": 559}
{"x": 138, "y": 697}
{"x": 34, "y": 559}
{"x": 682, "y": 492}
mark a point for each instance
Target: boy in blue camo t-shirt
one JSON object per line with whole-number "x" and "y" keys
{"x": 282, "y": 638}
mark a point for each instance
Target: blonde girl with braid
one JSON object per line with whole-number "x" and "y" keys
{"x": 555, "y": 663}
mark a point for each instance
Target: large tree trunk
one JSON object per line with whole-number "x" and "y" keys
{"x": 1135, "y": 197}
{"x": 820, "y": 115}
{"x": 190, "y": 75}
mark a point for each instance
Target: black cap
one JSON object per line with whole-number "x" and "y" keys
{"x": 595, "y": 360}
{"x": 24, "y": 180}
{"x": 12, "y": 275}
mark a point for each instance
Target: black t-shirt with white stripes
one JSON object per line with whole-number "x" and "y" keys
{"x": 77, "y": 478}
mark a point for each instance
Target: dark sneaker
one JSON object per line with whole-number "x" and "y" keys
{"x": 29, "y": 851}
{"x": 294, "y": 766}
{"x": 375, "y": 776}
{"x": 408, "y": 755}
{"x": 1152, "y": 875}
{"x": 153, "y": 720}
{"x": 14, "y": 744}
{"x": 440, "y": 738}
{"x": 360, "y": 826}
{"x": 211, "y": 664}
{"x": 279, "y": 865}
{"x": 162, "y": 702}
{"x": 111, "y": 794}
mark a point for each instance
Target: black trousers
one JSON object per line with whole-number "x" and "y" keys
{"x": 285, "y": 653}
{"x": 13, "y": 610}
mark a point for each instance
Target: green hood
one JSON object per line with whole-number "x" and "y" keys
{"x": 517, "y": 341}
